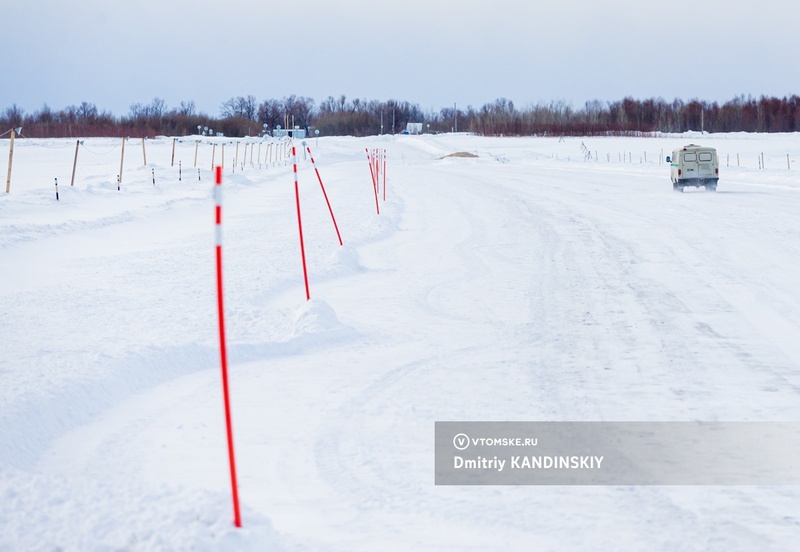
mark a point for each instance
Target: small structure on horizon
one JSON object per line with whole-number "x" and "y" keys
{"x": 413, "y": 128}
{"x": 296, "y": 132}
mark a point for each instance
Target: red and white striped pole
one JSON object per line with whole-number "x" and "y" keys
{"x": 384, "y": 175}
{"x": 300, "y": 221}
{"x": 330, "y": 209}
{"x": 222, "y": 347}
{"x": 378, "y": 168}
{"x": 379, "y": 165}
{"x": 374, "y": 180}
{"x": 375, "y": 154}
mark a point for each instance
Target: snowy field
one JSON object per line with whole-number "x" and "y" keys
{"x": 527, "y": 283}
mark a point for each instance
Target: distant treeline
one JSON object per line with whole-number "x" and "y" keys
{"x": 246, "y": 116}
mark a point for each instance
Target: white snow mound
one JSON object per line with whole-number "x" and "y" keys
{"x": 315, "y": 317}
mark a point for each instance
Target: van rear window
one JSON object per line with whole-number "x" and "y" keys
{"x": 705, "y": 156}
{"x": 690, "y": 157}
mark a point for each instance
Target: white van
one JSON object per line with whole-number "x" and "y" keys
{"x": 694, "y": 165}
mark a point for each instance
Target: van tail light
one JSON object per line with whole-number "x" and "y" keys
{"x": 679, "y": 172}
{"x": 716, "y": 171}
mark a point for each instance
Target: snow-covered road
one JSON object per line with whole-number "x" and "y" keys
{"x": 523, "y": 284}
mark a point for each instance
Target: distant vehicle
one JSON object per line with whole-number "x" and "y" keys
{"x": 694, "y": 165}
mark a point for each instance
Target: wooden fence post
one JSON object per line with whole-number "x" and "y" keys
{"x": 75, "y": 162}
{"x": 121, "y": 161}
{"x": 10, "y": 159}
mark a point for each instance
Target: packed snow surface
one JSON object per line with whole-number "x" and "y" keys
{"x": 544, "y": 279}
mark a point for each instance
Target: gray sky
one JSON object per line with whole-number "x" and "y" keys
{"x": 431, "y": 52}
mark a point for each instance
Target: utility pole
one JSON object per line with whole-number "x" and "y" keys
{"x": 455, "y": 115}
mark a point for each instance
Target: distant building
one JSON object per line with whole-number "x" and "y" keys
{"x": 299, "y": 133}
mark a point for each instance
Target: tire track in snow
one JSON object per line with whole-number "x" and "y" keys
{"x": 668, "y": 314}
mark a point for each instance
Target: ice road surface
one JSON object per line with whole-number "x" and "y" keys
{"x": 531, "y": 282}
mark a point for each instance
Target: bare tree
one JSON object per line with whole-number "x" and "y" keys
{"x": 87, "y": 111}
{"x": 270, "y": 112}
{"x": 228, "y": 109}
{"x": 299, "y": 109}
{"x": 14, "y": 115}
{"x": 44, "y": 115}
{"x": 246, "y": 107}
{"x": 158, "y": 108}
{"x": 187, "y": 108}
{"x": 139, "y": 111}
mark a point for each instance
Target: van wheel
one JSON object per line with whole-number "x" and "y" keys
{"x": 711, "y": 188}
{"x": 675, "y": 187}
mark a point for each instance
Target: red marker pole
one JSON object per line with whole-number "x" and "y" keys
{"x": 237, "y": 521}
{"x": 374, "y": 181}
{"x": 313, "y": 164}
{"x": 300, "y": 222}
{"x": 384, "y": 175}
{"x": 375, "y": 170}
{"x": 377, "y": 166}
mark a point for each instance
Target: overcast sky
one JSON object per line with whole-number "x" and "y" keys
{"x": 435, "y": 53}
